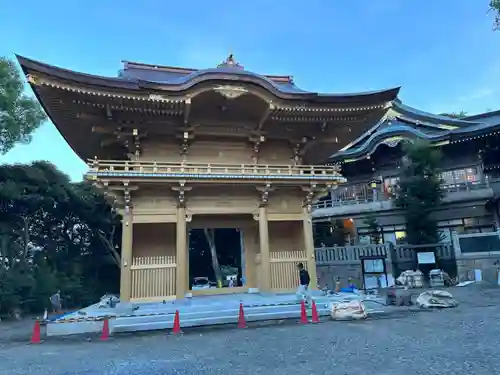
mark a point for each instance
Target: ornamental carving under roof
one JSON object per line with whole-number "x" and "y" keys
{"x": 394, "y": 141}
{"x": 230, "y": 92}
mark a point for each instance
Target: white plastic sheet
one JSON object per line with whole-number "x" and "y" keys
{"x": 436, "y": 299}
{"x": 353, "y": 310}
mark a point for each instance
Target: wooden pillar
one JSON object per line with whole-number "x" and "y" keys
{"x": 265, "y": 259}
{"x": 181, "y": 253}
{"x": 309, "y": 247}
{"x": 126, "y": 256}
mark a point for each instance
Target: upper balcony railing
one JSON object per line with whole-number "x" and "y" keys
{"x": 186, "y": 170}
{"x": 362, "y": 193}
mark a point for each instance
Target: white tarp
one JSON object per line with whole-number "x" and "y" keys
{"x": 436, "y": 298}
{"x": 353, "y": 310}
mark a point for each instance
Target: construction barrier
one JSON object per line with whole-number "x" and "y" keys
{"x": 171, "y": 320}
{"x": 172, "y": 313}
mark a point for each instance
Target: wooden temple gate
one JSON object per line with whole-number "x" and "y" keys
{"x": 191, "y": 156}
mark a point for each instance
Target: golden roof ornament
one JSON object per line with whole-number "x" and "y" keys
{"x": 230, "y": 62}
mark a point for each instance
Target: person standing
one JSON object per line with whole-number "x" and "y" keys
{"x": 55, "y": 301}
{"x": 303, "y": 291}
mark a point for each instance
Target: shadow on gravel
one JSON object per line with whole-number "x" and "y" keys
{"x": 479, "y": 294}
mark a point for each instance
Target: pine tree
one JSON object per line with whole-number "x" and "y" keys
{"x": 420, "y": 192}
{"x": 20, "y": 114}
{"x": 495, "y": 8}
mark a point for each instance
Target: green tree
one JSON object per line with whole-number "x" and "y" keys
{"x": 459, "y": 115}
{"x": 20, "y": 114}
{"x": 51, "y": 237}
{"x": 420, "y": 192}
{"x": 339, "y": 233}
{"x": 374, "y": 228}
{"x": 495, "y": 8}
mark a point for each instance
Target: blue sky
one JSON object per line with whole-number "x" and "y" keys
{"x": 443, "y": 53}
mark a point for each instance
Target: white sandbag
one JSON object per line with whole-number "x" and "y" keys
{"x": 411, "y": 279}
{"x": 353, "y": 310}
{"x": 436, "y": 299}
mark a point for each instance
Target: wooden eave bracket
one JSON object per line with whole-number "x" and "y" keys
{"x": 264, "y": 194}
{"x": 268, "y": 112}
{"x": 181, "y": 190}
{"x": 187, "y": 110}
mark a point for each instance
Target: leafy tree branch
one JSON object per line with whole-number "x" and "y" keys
{"x": 20, "y": 114}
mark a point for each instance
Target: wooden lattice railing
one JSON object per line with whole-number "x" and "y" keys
{"x": 153, "y": 277}
{"x": 284, "y": 272}
{"x": 154, "y": 167}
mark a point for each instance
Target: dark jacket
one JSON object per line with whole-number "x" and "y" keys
{"x": 304, "y": 277}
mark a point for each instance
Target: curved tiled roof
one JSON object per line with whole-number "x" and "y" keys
{"x": 398, "y": 128}
{"x": 410, "y": 123}
{"x": 417, "y": 114}
{"x": 179, "y": 76}
{"x": 168, "y": 78}
{"x": 137, "y": 76}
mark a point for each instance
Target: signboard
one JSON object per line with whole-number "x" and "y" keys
{"x": 426, "y": 257}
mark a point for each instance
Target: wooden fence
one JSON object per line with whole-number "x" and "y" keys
{"x": 153, "y": 278}
{"x": 284, "y": 272}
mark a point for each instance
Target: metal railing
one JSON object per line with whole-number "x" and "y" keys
{"x": 155, "y": 168}
{"x": 364, "y": 194}
{"x": 398, "y": 253}
{"x": 465, "y": 186}
{"x": 346, "y": 254}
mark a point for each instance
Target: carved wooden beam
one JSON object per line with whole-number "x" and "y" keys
{"x": 298, "y": 149}
{"x": 134, "y": 144}
{"x": 181, "y": 190}
{"x": 186, "y": 138}
{"x": 109, "y": 112}
{"x": 311, "y": 192}
{"x": 268, "y": 112}
{"x": 187, "y": 110}
{"x": 119, "y": 195}
{"x": 264, "y": 194}
{"x": 102, "y": 129}
{"x": 256, "y": 141}
{"x": 314, "y": 142}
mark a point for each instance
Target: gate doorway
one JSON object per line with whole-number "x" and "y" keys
{"x": 216, "y": 258}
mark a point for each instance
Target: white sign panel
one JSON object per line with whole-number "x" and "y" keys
{"x": 426, "y": 258}
{"x": 374, "y": 265}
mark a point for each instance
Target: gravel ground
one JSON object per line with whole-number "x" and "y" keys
{"x": 454, "y": 341}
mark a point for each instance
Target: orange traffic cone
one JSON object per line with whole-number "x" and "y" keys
{"x": 35, "y": 337}
{"x": 315, "y": 316}
{"x": 105, "y": 330}
{"x": 303, "y": 313}
{"x": 241, "y": 318}
{"x": 176, "y": 329}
